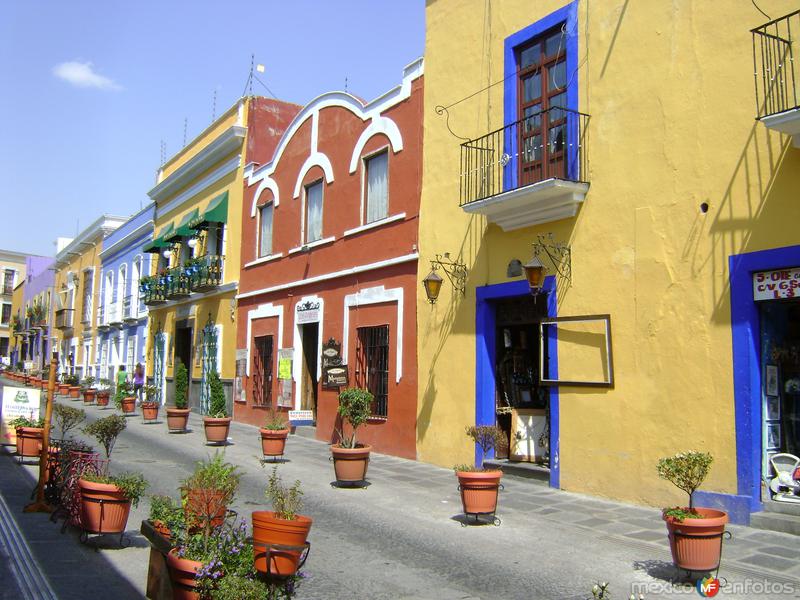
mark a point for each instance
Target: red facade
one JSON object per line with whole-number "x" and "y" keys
{"x": 344, "y": 273}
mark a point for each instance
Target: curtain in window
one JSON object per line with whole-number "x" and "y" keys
{"x": 314, "y": 209}
{"x": 265, "y": 244}
{"x": 377, "y": 188}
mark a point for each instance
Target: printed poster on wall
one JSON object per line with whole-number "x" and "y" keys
{"x": 17, "y": 402}
{"x": 285, "y": 376}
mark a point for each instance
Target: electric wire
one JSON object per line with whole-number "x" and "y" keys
{"x": 761, "y": 11}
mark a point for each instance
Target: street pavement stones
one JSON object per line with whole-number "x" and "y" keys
{"x": 401, "y": 537}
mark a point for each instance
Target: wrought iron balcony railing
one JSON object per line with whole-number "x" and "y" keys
{"x": 176, "y": 283}
{"x": 776, "y": 84}
{"x": 545, "y": 145}
{"x": 151, "y": 291}
{"x": 206, "y": 273}
{"x": 64, "y": 318}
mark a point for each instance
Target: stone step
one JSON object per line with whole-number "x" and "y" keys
{"x": 784, "y": 508}
{"x": 530, "y": 471}
{"x": 775, "y": 522}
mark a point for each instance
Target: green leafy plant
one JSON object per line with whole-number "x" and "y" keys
{"x": 150, "y": 393}
{"x": 286, "y": 501}
{"x": 132, "y": 485}
{"x": 275, "y": 421}
{"x": 22, "y": 421}
{"x": 488, "y": 437}
{"x": 68, "y": 417}
{"x": 124, "y": 390}
{"x": 355, "y": 407}
{"x": 167, "y": 515}
{"x": 88, "y": 382}
{"x": 236, "y": 587}
{"x": 218, "y": 406}
{"x": 686, "y": 470}
{"x": 212, "y": 485}
{"x": 106, "y": 431}
{"x": 103, "y": 383}
{"x": 181, "y": 385}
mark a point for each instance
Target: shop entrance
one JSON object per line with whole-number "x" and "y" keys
{"x": 522, "y": 405}
{"x": 308, "y": 379}
{"x": 183, "y": 347}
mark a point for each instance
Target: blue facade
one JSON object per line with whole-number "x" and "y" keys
{"x": 122, "y": 316}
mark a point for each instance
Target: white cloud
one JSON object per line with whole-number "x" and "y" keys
{"x": 83, "y": 75}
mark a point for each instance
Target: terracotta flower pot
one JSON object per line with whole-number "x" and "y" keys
{"x": 102, "y": 398}
{"x": 74, "y": 391}
{"x": 350, "y": 464}
{"x": 177, "y": 419}
{"x": 104, "y": 508}
{"x": 44, "y": 384}
{"x": 150, "y": 411}
{"x": 204, "y": 503}
{"x": 129, "y": 405}
{"x": 182, "y": 573}
{"x": 273, "y": 441}
{"x": 89, "y": 395}
{"x": 63, "y": 389}
{"x": 29, "y": 441}
{"x": 268, "y": 530}
{"x": 692, "y": 548}
{"x": 479, "y": 491}
{"x": 216, "y": 429}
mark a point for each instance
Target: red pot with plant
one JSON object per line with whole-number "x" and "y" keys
{"x": 479, "y": 487}
{"x": 183, "y": 575}
{"x": 75, "y": 391}
{"x": 208, "y": 492}
{"x": 695, "y": 533}
{"x": 351, "y": 459}
{"x": 178, "y": 416}
{"x": 30, "y": 433}
{"x": 217, "y": 424}
{"x": 106, "y": 501}
{"x": 273, "y": 435}
{"x": 279, "y": 535}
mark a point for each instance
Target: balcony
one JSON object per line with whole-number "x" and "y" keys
{"x": 206, "y": 273}
{"x": 64, "y": 318}
{"x": 776, "y": 85}
{"x": 102, "y": 321}
{"x": 529, "y": 172}
{"x": 130, "y": 310}
{"x": 114, "y": 313}
{"x": 152, "y": 291}
{"x": 176, "y": 283}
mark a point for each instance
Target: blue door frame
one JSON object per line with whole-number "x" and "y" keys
{"x": 485, "y": 360}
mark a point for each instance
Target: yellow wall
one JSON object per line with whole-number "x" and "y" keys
{"x": 669, "y": 87}
{"x": 17, "y": 310}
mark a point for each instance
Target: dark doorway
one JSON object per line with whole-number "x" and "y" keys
{"x": 308, "y": 383}
{"x": 183, "y": 348}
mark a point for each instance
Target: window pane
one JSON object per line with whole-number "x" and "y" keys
{"x": 265, "y": 244}
{"x": 554, "y": 44}
{"x": 557, "y": 76}
{"x": 557, "y": 100}
{"x": 533, "y": 118}
{"x": 530, "y": 56}
{"x": 532, "y": 87}
{"x": 555, "y": 138}
{"x": 377, "y": 187}
{"x": 314, "y": 212}
{"x": 531, "y": 149}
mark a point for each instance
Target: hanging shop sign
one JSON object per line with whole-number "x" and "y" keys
{"x": 17, "y": 402}
{"x": 334, "y": 373}
{"x": 307, "y": 312}
{"x": 774, "y": 285}
{"x": 335, "y": 377}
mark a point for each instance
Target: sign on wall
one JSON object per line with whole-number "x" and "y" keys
{"x": 774, "y": 285}
{"x": 17, "y": 402}
{"x": 307, "y": 312}
{"x": 285, "y": 376}
{"x": 334, "y": 373}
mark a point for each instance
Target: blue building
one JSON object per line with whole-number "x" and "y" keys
{"x": 122, "y": 316}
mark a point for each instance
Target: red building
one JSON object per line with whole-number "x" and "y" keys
{"x": 329, "y": 265}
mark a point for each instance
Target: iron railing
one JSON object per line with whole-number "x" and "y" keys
{"x": 773, "y": 61}
{"x": 545, "y": 145}
{"x": 206, "y": 273}
{"x": 176, "y": 283}
{"x": 152, "y": 291}
{"x": 127, "y": 313}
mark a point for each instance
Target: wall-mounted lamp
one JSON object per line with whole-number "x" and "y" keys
{"x": 456, "y": 273}
{"x": 558, "y": 254}
{"x": 192, "y": 242}
{"x": 167, "y": 253}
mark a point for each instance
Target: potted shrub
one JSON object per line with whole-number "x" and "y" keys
{"x": 207, "y": 493}
{"x": 64, "y": 385}
{"x": 217, "y": 422}
{"x": 350, "y": 459}
{"x": 282, "y": 526}
{"x": 695, "y": 534}
{"x": 478, "y": 485}
{"x": 29, "y": 435}
{"x": 150, "y": 405}
{"x": 106, "y": 431}
{"x": 67, "y": 418}
{"x": 89, "y": 392}
{"x": 103, "y": 391}
{"x": 124, "y": 399}
{"x": 178, "y": 416}
{"x": 274, "y": 434}
{"x": 166, "y": 516}
{"x": 106, "y": 500}
{"x": 74, "y": 383}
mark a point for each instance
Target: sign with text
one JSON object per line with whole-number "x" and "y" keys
{"x": 285, "y": 377}
{"x": 334, "y": 373}
{"x": 307, "y": 312}
{"x": 774, "y": 285}
{"x": 334, "y": 377}
{"x": 301, "y": 415}
{"x": 17, "y": 402}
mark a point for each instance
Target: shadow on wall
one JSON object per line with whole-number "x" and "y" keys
{"x": 761, "y": 194}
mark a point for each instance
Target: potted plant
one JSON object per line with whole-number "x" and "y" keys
{"x": 178, "y": 416}
{"x": 150, "y": 405}
{"x": 64, "y": 385}
{"x": 67, "y": 418}
{"x": 350, "y": 459}
{"x": 74, "y": 383}
{"x": 217, "y": 422}
{"x": 207, "y": 493}
{"x": 282, "y": 526}
{"x": 478, "y": 485}
{"x": 106, "y": 500}
{"x": 89, "y": 393}
{"x": 695, "y": 534}
{"x": 103, "y": 391}
{"x": 106, "y": 431}
{"x": 124, "y": 399}
{"x": 166, "y": 516}
{"x": 29, "y": 435}
{"x": 274, "y": 434}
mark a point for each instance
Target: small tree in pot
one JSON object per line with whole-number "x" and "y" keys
{"x": 178, "y": 416}
{"x": 124, "y": 399}
{"x": 103, "y": 391}
{"x": 350, "y": 459}
{"x": 217, "y": 423}
{"x": 150, "y": 404}
{"x": 695, "y": 534}
{"x": 67, "y": 418}
{"x": 89, "y": 392}
{"x": 106, "y": 431}
{"x": 478, "y": 485}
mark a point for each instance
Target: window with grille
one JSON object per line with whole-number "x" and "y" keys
{"x": 262, "y": 371}
{"x": 372, "y": 365}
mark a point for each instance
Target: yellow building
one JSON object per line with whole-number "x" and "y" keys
{"x": 614, "y": 144}
{"x": 76, "y": 295}
{"x": 12, "y": 271}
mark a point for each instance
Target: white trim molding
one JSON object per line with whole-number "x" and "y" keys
{"x": 374, "y": 224}
{"x": 378, "y": 125}
{"x": 297, "y": 364}
{"x": 375, "y": 295}
{"x": 263, "y": 311}
{"x": 263, "y": 259}
{"x": 311, "y": 245}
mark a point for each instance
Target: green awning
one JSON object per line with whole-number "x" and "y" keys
{"x": 215, "y": 212}
{"x": 159, "y": 241}
{"x": 183, "y": 229}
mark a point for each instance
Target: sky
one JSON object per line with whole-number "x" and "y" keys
{"x": 89, "y": 90}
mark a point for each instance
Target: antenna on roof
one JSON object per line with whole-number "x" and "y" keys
{"x": 345, "y": 83}
{"x": 249, "y": 83}
{"x": 185, "y": 123}
{"x": 214, "y": 107}
{"x": 163, "y": 153}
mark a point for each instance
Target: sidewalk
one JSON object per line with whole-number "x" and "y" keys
{"x": 401, "y": 537}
